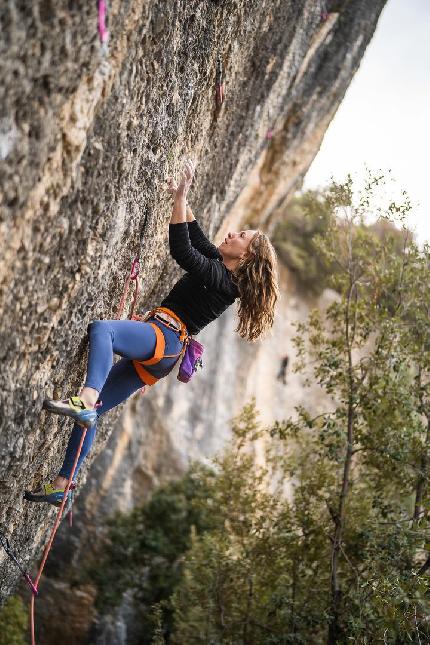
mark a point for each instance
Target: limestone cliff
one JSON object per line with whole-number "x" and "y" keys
{"x": 87, "y": 138}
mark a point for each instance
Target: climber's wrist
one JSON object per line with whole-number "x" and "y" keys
{"x": 190, "y": 215}
{"x": 179, "y": 212}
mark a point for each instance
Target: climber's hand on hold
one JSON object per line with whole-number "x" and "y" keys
{"x": 172, "y": 186}
{"x": 186, "y": 179}
{"x": 179, "y": 213}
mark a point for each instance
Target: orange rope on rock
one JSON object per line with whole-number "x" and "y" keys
{"x": 52, "y": 536}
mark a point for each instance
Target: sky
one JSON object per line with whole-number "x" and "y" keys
{"x": 384, "y": 120}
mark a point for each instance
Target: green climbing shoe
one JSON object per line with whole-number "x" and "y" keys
{"x": 74, "y": 408}
{"x": 49, "y": 495}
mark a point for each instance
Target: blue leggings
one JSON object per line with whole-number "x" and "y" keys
{"x": 133, "y": 340}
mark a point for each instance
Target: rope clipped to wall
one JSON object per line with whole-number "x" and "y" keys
{"x": 101, "y": 25}
{"x": 323, "y": 11}
{"x": 133, "y": 276}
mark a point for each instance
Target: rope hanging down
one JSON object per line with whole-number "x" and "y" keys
{"x": 52, "y": 536}
{"x": 4, "y": 542}
{"x": 133, "y": 276}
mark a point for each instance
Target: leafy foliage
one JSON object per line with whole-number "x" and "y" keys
{"x": 306, "y": 219}
{"x": 144, "y": 548}
{"x": 302, "y": 230}
{"x": 13, "y": 622}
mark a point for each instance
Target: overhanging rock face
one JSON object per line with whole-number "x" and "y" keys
{"x": 87, "y": 139}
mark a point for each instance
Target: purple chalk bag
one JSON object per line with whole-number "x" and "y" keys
{"x": 191, "y": 361}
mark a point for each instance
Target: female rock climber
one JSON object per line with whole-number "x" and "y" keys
{"x": 243, "y": 266}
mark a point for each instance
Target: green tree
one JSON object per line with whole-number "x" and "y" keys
{"x": 236, "y": 583}
{"x": 363, "y": 355}
{"x": 143, "y": 551}
{"x": 13, "y": 622}
{"x": 295, "y": 238}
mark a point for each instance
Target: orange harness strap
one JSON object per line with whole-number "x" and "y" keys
{"x": 160, "y": 346}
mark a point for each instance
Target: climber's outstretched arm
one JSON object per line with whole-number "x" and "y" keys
{"x": 179, "y": 212}
{"x": 172, "y": 188}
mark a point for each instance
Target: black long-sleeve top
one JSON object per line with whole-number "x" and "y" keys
{"x": 207, "y": 288}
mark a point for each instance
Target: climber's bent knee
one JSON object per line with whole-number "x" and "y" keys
{"x": 100, "y": 326}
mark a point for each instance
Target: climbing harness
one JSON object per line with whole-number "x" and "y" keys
{"x": 191, "y": 352}
{"x": 170, "y": 320}
{"x": 101, "y": 25}
{"x": 52, "y": 536}
{"x": 4, "y": 542}
{"x": 219, "y": 83}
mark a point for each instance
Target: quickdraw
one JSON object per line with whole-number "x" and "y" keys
{"x": 4, "y": 542}
{"x": 101, "y": 25}
{"x": 133, "y": 277}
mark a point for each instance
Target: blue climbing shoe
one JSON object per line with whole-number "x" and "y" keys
{"x": 49, "y": 495}
{"x": 74, "y": 408}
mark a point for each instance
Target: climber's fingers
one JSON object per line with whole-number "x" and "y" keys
{"x": 190, "y": 168}
{"x": 172, "y": 186}
{"x": 187, "y": 176}
{"x": 190, "y": 164}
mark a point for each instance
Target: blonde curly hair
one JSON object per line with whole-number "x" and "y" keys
{"x": 257, "y": 281}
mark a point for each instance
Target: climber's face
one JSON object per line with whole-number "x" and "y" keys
{"x": 235, "y": 245}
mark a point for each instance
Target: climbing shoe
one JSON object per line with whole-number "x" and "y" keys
{"x": 50, "y": 495}
{"x": 73, "y": 407}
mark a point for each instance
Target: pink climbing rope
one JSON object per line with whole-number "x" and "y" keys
{"x": 52, "y": 536}
{"x": 134, "y": 275}
{"x": 101, "y": 22}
